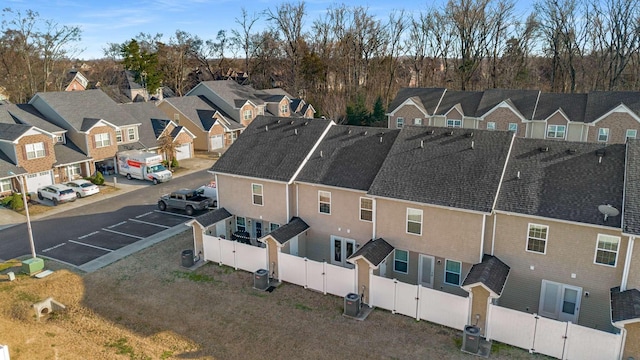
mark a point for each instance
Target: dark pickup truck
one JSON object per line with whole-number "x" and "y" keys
{"x": 185, "y": 199}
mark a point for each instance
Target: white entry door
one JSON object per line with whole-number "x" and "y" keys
{"x": 341, "y": 249}
{"x": 560, "y": 301}
{"x": 36, "y": 180}
{"x": 426, "y": 271}
{"x": 217, "y": 142}
{"x": 183, "y": 151}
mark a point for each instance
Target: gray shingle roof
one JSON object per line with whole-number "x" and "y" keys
{"x": 565, "y": 182}
{"x": 286, "y": 232}
{"x": 271, "y": 148}
{"x": 601, "y": 102}
{"x": 491, "y": 272}
{"x": 11, "y": 132}
{"x": 158, "y": 126}
{"x": 573, "y": 105}
{"x": 523, "y": 100}
{"x": 374, "y": 251}
{"x": 625, "y": 305}
{"x": 69, "y": 153}
{"x": 631, "y": 210}
{"x": 145, "y": 113}
{"x": 76, "y": 106}
{"x": 7, "y": 167}
{"x": 27, "y": 114}
{"x": 212, "y": 217}
{"x": 348, "y": 157}
{"x": 445, "y": 171}
{"x": 88, "y": 123}
{"x": 468, "y": 100}
{"x": 232, "y": 92}
{"x": 198, "y": 109}
{"x": 429, "y": 97}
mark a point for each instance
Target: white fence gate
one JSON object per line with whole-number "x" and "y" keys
{"x": 235, "y": 254}
{"x": 562, "y": 340}
{"x": 319, "y": 276}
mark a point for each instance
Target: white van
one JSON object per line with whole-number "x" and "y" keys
{"x": 209, "y": 191}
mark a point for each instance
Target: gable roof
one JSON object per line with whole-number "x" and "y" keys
{"x": 601, "y": 102}
{"x": 523, "y": 100}
{"x": 233, "y": 93}
{"x": 427, "y": 165}
{"x": 288, "y": 231}
{"x": 491, "y": 272}
{"x": 631, "y": 208}
{"x": 468, "y": 100}
{"x": 272, "y": 148}
{"x": 212, "y": 217}
{"x": 563, "y": 180}
{"x": 76, "y": 106}
{"x": 198, "y": 109}
{"x": 12, "y": 132}
{"x": 69, "y": 153}
{"x": 374, "y": 252}
{"x": 145, "y": 113}
{"x": 348, "y": 157}
{"x": 573, "y": 105}
{"x": 429, "y": 97}
{"x": 7, "y": 167}
{"x": 27, "y": 114}
{"x": 625, "y": 305}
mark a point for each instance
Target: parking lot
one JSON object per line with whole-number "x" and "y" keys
{"x": 104, "y": 240}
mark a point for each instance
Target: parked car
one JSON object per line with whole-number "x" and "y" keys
{"x": 83, "y": 187}
{"x": 57, "y": 193}
{"x": 209, "y": 191}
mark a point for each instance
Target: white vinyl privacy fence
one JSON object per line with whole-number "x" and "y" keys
{"x": 319, "y": 276}
{"x": 562, "y": 340}
{"x": 235, "y": 254}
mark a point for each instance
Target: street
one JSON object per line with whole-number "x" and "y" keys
{"x": 85, "y": 233}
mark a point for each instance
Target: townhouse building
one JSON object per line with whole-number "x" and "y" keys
{"x": 606, "y": 117}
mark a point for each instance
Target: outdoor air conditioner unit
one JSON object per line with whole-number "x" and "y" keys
{"x": 352, "y": 305}
{"x": 261, "y": 279}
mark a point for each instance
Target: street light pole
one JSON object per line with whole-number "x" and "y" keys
{"x": 26, "y": 210}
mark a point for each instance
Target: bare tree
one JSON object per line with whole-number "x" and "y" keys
{"x": 243, "y": 37}
{"x": 288, "y": 20}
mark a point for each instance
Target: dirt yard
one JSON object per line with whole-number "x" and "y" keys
{"x": 147, "y": 307}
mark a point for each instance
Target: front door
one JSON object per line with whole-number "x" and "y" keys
{"x": 341, "y": 249}
{"x": 560, "y": 301}
{"x": 258, "y": 229}
{"x": 426, "y": 271}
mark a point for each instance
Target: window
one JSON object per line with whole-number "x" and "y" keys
{"x": 102, "y": 140}
{"x": 417, "y": 121}
{"x": 603, "y": 134}
{"x": 256, "y": 191}
{"x": 453, "y": 123}
{"x": 366, "y": 209}
{"x": 399, "y": 122}
{"x": 273, "y": 226}
{"x": 5, "y": 185}
{"x": 491, "y": 125}
{"x": 240, "y": 224}
{"x": 537, "y": 238}
{"x": 607, "y": 250}
{"x": 248, "y": 114}
{"x": 234, "y": 136}
{"x": 131, "y": 134}
{"x": 632, "y": 133}
{"x": 324, "y": 199}
{"x": 401, "y": 261}
{"x": 284, "y": 108}
{"x": 513, "y": 127}
{"x": 35, "y": 151}
{"x": 556, "y": 131}
{"x": 73, "y": 171}
{"x": 414, "y": 221}
{"x": 452, "y": 272}
{"x": 118, "y": 136}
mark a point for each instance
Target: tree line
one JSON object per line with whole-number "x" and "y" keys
{"x": 347, "y": 60}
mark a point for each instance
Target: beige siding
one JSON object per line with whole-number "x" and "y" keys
{"x": 488, "y": 234}
{"x": 200, "y": 142}
{"x": 440, "y": 121}
{"x": 408, "y": 112}
{"x": 238, "y": 199}
{"x": 479, "y": 306}
{"x": 502, "y": 117}
{"x": 470, "y": 123}
{"x": 634, "y": 271}
{"x": 537, "y": 130}
{"x": 576, "y": 132}
{"x": 454, "y": 114}
{"x": 570, "y": 250}
{"x": 344, "y": 220}
{"x": 618, "y": 123}
{"x": 197, "y": 238}
{"x": 362, "y": 286}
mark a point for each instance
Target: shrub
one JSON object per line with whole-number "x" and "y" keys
{"x": 14, "y": 201}
{"x": 174, "y": 163}
{"x": 98, "y": 179}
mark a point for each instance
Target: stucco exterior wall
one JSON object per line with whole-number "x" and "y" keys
{"x": 479, "y": 303}
{"x": 618, "y": 123}
{"x": 632, "y": 344}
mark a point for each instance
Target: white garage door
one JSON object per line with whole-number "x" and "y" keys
{"x": 217, "y": 142}
{"x": 183, "y": 151}
{"x": 36, "y": 180}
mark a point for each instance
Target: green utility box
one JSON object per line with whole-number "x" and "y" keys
{"x": 32, "y": 266}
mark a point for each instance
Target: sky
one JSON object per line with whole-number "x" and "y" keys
{"x": 117, "y": 21}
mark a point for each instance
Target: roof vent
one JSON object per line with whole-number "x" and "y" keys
{"x": 364, "y": 133}
{"x": 306, "y": 123}
{"x": 518, "y": 175}
{"x": 473, "y": 143}
{"x": 430, "y": 132}
{"x": 449, "y": 133}
{"x": 380, "y": 139}
{"x": 349, "y": 131}
{"x": 291, "y": 122}
{"x": 544, "y": 149}
{"x": 278, "y": 122}
{"x": 421, "y": 144}
{"x": 600, "y": 152}
{"x": 320, "y": 153}
{"x": 469, "y": 134}
{"x": 295, "y": 131}
{"x": 266, "y": 128}
{"x": 572, "y": 151}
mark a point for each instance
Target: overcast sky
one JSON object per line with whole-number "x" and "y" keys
{"x": 116, "y": 21}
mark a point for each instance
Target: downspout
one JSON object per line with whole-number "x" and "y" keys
{"x": 627, "y": 264}
{"x": 374, "y": 218}
{"x": 297, "y": 200}
{"x": 493, "y": 236}
{"x": 287, "y": 204}
{"x": 484, "y": 220}
{"x": 215, "y": 177}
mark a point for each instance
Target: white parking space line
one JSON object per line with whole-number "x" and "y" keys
{"x": 54, "y": 247}
{"x": 145, "y": 214}
{"x": 91, "y": 246}
{"x": 125, "y": 234}
{"x": 149, "y": 223}
{"x": 89, "y": 234}
{"x": 174, "y": 214}
{"x": 118, "y": 224}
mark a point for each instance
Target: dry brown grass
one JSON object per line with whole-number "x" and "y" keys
{"x": 147, "y": 307}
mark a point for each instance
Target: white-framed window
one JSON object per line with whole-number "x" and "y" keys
{"x": 414, "y": 221}
{"x": 241, "y": 224}
{"x": 452, "y": 272}
{"x": 118, "y": 136}
{"x": 399, "y": 122}
{"x": 234, "y": 137}
{"x": 131, "y": 134}
{"x": 273, "y": 226}
{"x": 248, "y": 114}
{"x": 556, "y": 131}
{"x": 324, "y": 201}
{"x": 401, "y": 261}
{"x": 417, "y": 121}
{"x": 513, "y": 127}
{"x": 35, "y": 150}
{"x": 537, "y": 238}
{"x": 102, "y": 140}
{"x": 366, "y": 209}
{"x": 284, "y": 108}
{"x": 491, "y": 125}
{"x": 5, "y": 185}
{"x": 603, "y": 134}
{"x": 256, "y": 192}
{"x": 73, "y": 171}
{"x": 631, "y": 133}
{"x": 607, "y": 250}
{"x": 454, "y": 123}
